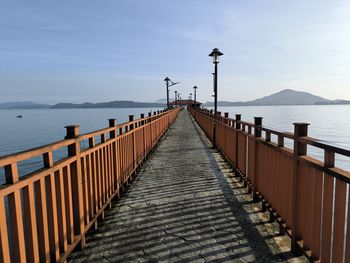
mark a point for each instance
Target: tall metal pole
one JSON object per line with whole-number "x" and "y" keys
{"x": 167, "y": 91}
{"x": 175, "y": 98}
{"x": 167, "y": 94}
{"x": 216, "y": 53}
{"x": 167, "y": 80}
{"x": 195, "y": 96}
{"x": 215, "y": 101}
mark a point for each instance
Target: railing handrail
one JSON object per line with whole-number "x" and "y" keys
{"x": 45, "y": 214}
{"x": 325, "y": 146}
{"x": 318, "y": 143}
{"x": 308, "y": 197}
{"x": 33, "y": 152}
{"x": 37, "y": 151}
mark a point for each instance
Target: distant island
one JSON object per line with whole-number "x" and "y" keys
{"x": 110, "y": 104}
{"x": 284, "y": 97}
{"x": 86, "y": 105}
{"x": 24, "y": 105}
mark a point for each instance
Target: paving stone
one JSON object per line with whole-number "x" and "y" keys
{"x": 186, "y": 206}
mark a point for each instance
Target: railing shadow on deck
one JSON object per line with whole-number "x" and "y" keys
{"x": 179, "y": 215}
{"x": 307, "y": 197}
{"x": 44, "y": 215}
{"x": 172, "y": 224}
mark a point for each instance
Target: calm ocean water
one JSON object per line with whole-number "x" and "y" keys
{"x": 329, "y": 123}
{"x": 43, "y": 126}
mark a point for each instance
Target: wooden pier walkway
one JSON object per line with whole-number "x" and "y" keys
{"x": 186, "y": 205}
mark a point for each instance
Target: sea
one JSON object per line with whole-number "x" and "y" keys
{"x": 328, "y": 123}
{"x": 38, "y": 127}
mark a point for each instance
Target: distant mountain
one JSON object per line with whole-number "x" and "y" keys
{"x": 23, "y": 105}
{"x": 284, "y": 97}
{"x": 110, "y": 104}
{"x": 289, "y": 97}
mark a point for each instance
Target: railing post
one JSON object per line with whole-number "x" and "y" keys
{"x": 51, "y": 207}
{"x": 121, "y": 161}
{"x": 238, "y": 127}
{"x": 95, "y": 193}
{"x": 113, "y": 135}
{"x": 112, "y": 123}
{"x": 15, "y": 216}
{"x": 72, "y": 132}
{"x": 226, "y": 116}
{"x": 299, "y": 149}
{"x": 257, "y": 134}
{"x": 215, "y": 128}
{"x": 4, "y": 239}
{"x": 226, "y": 122}
{"x": 257, "y": 126}
{"x": 238, "y": 119}
{"x": 142, "y": 115}
{"x": 131, "y": 119}
{"x": 218, "y": 114}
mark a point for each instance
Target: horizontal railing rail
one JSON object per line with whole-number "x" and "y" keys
{"x": 308, "y": 197}
{"x": 45, "y": 214}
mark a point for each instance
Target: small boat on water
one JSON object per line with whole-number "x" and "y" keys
{"x": 19, "y": 116}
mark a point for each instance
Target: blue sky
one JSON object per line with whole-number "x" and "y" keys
{"x": 101, "y": 50}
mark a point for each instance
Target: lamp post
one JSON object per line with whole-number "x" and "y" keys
{"x": 216, "y": 53}
{"x": 195, "y": 96}
{"x": 175, "y": 98}
{"x": 167, "y": 91}
{"x": 167, "y": 81}
{"x": 190, "y": 96}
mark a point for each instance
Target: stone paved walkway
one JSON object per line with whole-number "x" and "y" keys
{"x": 186, "y": 206}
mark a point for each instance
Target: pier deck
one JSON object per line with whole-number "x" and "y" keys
{"x": 186, "y": 205}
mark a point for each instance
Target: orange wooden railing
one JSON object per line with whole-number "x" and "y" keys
{"x": 308, "y": 197}
{"x": 46, "y": 214}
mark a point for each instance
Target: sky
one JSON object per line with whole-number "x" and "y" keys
{"x": 101, "y": 50}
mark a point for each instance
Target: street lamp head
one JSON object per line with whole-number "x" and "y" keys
{"x": 166, "y": 79}
{"x": 216, "y": 53}
{"x": 195, "y": 87}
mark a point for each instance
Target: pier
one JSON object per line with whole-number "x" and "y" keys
{"x": 155, "y": 190}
